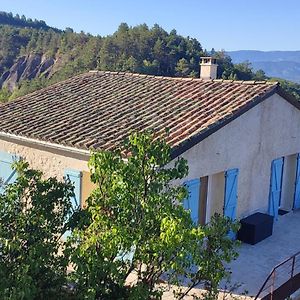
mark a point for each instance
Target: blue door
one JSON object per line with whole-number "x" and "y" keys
{"x": 297, "y": 185}
{"x": 230, "y": 199}
{"x": 7, "y": 173}
{"x": 192, "y": 202}
{"x": 275, "y": 186}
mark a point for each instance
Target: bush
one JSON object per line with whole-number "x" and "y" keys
{"x": 133, "y": 236}
{"x": 34, "y": 213}
{"x": 136, "y": 233}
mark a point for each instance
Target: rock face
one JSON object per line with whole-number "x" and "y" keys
{"x": 26, "y": 68}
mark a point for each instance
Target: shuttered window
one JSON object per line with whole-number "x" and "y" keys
{"x": 192, "y": 201}
{"x": 230, "y": 199}
{"x": 297, "y": 185}
{"x": 7, "y": 173}
{"x": 275, "y": 186}
{"x": 75, "y": 178}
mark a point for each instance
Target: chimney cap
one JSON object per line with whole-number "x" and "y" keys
{"x": 208, "y": 60}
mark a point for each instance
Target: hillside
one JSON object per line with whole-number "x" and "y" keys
{"x": 283, "y": 64}
{"x": 10, "y": 19}
{"x": 34, "y": 55}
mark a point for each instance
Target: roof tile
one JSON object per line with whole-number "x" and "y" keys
{"x": 97, "y": 110}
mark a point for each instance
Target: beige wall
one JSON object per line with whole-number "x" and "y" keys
{"x": 249, "y": 143}
{"x": 51, "y": 162}
{"x": 87, "y": 187}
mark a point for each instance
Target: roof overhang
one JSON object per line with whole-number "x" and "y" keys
{"x": 79, "y": 153}
{"x": 183, "y": 147}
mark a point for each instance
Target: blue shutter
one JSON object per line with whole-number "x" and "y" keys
{"x": 192, "y": 202}
{"x": 75, "y": 178}
{"x": 275, "y": 186}
{"x": 7, "y": 174}
{"x": 230, "y": 198}
{"x": 297, "y": 185}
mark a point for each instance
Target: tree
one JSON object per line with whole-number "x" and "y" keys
{"x": 260, "y": 75}
{"x": 34, "y": 214}
{"x": 136, "y": 230}
{"x": 244, "y": 71}
{"x": 4, "y": 94}
{"x": 182, "y": 68}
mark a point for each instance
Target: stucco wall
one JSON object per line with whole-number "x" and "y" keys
{"x": 51, "y": 162}
{"x": 249, "y": 143}
{"x": 215, "y": 195}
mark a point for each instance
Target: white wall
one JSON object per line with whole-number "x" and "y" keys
{"x": 250, "y": 143}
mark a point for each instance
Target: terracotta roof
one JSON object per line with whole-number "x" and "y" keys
{"x": 97, "y": 110}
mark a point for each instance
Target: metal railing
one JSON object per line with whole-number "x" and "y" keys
{"x": 282, "y": 281}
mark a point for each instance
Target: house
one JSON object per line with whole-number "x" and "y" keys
{"x": 241, "y": 139}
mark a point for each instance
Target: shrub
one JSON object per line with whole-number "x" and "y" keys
{"x": 135, "y": 233}
{"x": 34, "y": 214}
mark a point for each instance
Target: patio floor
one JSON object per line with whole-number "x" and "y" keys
{"x": 255, "y": 262}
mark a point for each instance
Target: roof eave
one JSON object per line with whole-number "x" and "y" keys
{"x": 44, "y": 144}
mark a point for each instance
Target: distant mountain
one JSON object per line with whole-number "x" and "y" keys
{"x": 283, "y": 64}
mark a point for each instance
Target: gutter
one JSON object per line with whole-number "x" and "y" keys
{"x": 45, "y": 144}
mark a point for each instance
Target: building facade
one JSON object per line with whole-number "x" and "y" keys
{"x": 241, "y": 139}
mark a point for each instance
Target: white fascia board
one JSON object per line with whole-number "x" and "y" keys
{"x": 45, "y": 144}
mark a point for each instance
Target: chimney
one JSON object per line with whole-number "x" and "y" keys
{"x": 208, "y": 68}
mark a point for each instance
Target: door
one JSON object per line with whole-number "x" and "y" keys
{"x": 275, "y": 186}
{"x": 297, "y": 185}
{"x": 230, "y": 197}
{"x": 7, "y": 173}
{"x": 192, "y": 201}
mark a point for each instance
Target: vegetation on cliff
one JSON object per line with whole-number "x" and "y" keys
{"x": 34, "y": 55}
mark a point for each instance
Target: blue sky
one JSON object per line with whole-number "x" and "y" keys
{"x": 222, "y": 24}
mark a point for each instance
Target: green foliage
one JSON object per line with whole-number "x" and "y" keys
{"x": 151, "y": 51}
{"x": 10, "y": 19}
{"x": 29, "y": 86}
{"x": 241, "y": 71}
{"x": 136, "y": 230}
{"x": 291, "y": 87}
{"x": 133, "y": 49}
{"x": 138, "y": 49}
{"x": 33, "y": 217}
{"x": 4, "y": 95}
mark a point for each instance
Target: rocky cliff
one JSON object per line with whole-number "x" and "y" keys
{"x": 27, "y": 68}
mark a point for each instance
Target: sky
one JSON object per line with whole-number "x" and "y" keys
{"x": 220, "y": 24}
